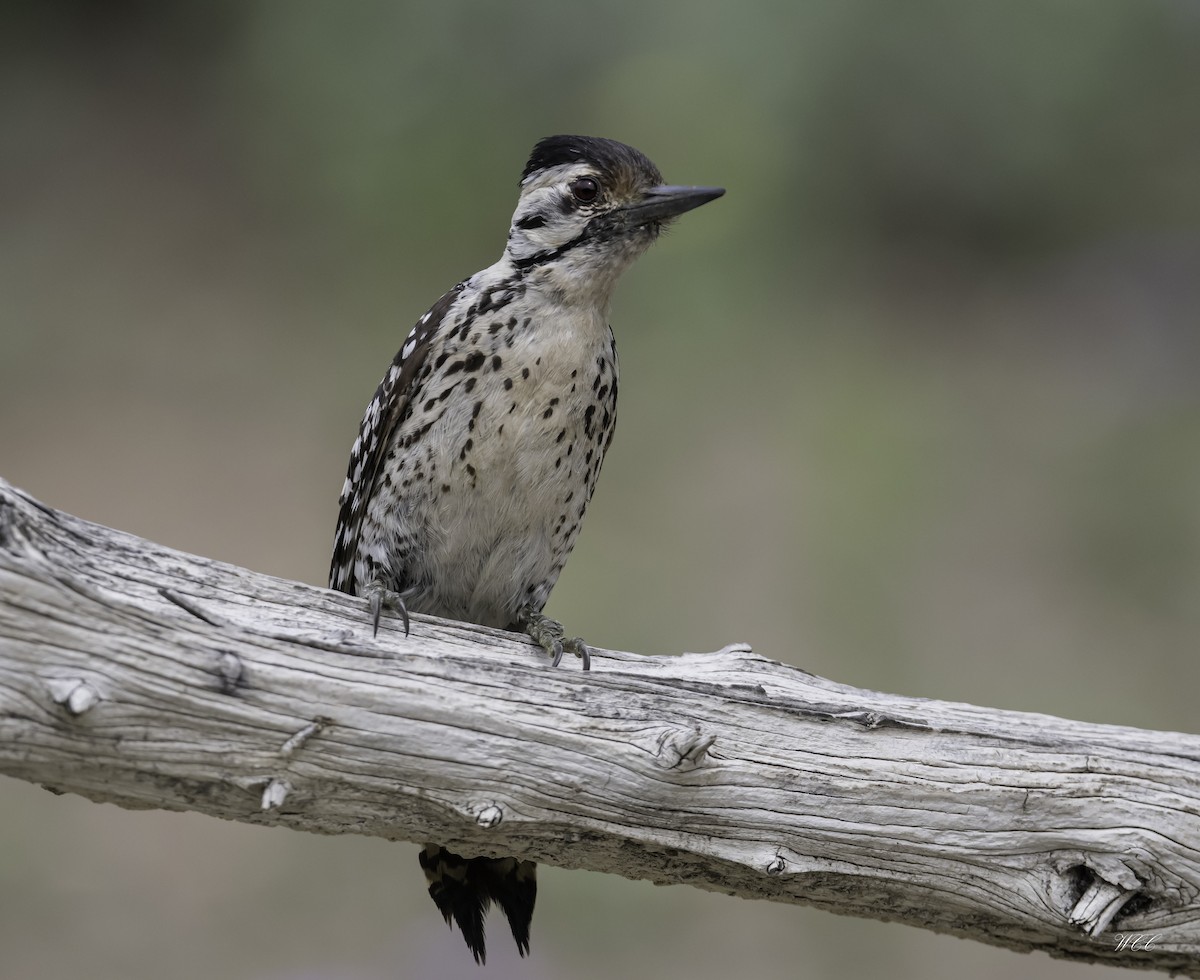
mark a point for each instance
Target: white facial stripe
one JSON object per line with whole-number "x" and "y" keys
{"x": 554, "y": 176}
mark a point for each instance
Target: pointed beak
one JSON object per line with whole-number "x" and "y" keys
{"x": 668, "y": 201}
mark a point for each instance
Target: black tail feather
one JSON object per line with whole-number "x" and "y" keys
{"x": 463, "y": 889}
{"x": 512, "y": 885}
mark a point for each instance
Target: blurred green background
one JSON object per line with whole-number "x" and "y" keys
{"x": 916, "y": 406}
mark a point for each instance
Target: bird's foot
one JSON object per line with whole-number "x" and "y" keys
{"x": 548, "y": 634}
{"x": 378, "y": 596}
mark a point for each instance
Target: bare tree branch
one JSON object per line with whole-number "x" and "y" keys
{"x": 142, "y": 676}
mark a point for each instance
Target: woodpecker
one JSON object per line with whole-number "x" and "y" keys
{"x": 479, "y": 452}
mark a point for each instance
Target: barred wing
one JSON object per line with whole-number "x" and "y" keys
{"x": 383, "y": 414}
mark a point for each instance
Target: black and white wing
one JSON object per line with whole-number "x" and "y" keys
{"x": 383, "y": 414}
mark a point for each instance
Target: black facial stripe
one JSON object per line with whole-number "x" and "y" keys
{"x": 529, "y": 222}
{"x": 539, "y": 258}
{"x": 549, "y": 255}
{"x": 600, "y": 228}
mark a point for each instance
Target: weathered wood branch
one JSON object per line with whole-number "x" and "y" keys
{"x": 138, "y": 675}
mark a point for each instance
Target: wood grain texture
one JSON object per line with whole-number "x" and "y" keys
{"x": 138, "y": 675}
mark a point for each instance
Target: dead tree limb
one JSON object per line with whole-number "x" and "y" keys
{"x": 142, "y": 676}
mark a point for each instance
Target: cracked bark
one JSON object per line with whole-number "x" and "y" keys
{"x": 142, "y": 676}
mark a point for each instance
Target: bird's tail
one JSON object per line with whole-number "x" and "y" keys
{"x": 463, "y": 889}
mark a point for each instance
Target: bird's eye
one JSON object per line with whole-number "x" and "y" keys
{"x": 585, "y": 189}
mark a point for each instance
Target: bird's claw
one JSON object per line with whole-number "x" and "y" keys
{"x": 548, "y": 634}
{"x": 379, "y": 595}
{"x": 576, "y": 646}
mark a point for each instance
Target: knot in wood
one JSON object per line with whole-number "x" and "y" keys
{"x": 73, "y": 694}
{"x": 1104, "y": 884}
{"x": 275, "y": 793}
{"x": 230, "y": 672}
{"x": 682, "y": 748}
{"x": 297, "y": 741}
{"x": 489, "y": 817}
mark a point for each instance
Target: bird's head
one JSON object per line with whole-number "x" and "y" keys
{"x": 588, "y": 208}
